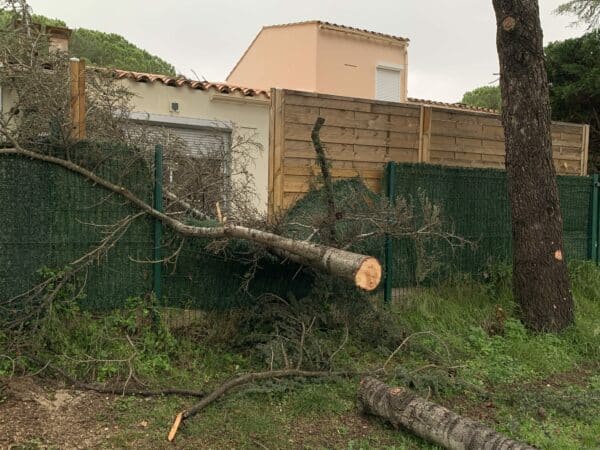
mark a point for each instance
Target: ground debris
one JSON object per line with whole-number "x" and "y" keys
{"x": 44, "y": 414}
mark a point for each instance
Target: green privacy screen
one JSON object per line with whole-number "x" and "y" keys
{"x": 50, "y": 217}
{"x": 474, "y": 205}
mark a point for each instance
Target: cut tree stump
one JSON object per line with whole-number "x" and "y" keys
{"x": 429, "y": 420}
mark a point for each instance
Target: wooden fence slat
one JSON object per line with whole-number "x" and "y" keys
{"x": 361, "y": 135}
{"x": 301, "y": 100}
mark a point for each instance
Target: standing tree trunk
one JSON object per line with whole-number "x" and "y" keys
{"x": 540, "y": 279}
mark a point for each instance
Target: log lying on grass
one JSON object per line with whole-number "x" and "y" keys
{"x": 363, "y": 271}
{"x": 429, "y": 420}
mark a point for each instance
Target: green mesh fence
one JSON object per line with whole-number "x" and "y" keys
{"x": 47, "y": 220}
{"x": 50, "y": 217}
{"x": 474, "y": 205}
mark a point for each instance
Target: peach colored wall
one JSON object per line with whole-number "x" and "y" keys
{"x": 346, "y": 63}
{"x": 279, "y": 57}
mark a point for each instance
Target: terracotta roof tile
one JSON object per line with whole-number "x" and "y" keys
{"x": 462, "y": 106}
{"x": 167, "y": 80}
{"x": 342, "y": 28}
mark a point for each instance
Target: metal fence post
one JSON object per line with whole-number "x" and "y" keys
{"x": 594, "y": 232}
{"x": 390, "y": 191}
{"x": 158, "y": 205}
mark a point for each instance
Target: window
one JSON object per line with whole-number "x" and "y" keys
{"x": 200, "y": 171}
{"x": 197, "y": 158}
{"x": 387, "y": 84}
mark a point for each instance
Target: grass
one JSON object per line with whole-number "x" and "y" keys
{"x": 466, "y": 351}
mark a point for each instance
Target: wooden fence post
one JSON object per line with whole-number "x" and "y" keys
{"x": 424, "y": 133}
{"x": 585, "y": 149}
{"x": 276, "y": 153}
{"x": 77, "y": 73}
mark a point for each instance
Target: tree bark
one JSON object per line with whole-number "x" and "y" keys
{"x": 327, "y": 184}
{"x": 540, "y": 279}
{"x": 429, "y": 420}
{"x": 364, "y": 271}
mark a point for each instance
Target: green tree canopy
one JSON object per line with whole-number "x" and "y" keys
{"x": 484, "y": 97}
{"x": 103, "y": 49}
{"x": 113, "y": 50}
{"x": 573, "y": 69}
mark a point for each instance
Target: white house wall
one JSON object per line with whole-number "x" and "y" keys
{"x": 247, "y": 115}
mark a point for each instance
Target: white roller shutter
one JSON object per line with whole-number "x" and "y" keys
{"x": 387, "y": 84}
{"x": 199, "y": 141}
{"x": 205, "y": 178}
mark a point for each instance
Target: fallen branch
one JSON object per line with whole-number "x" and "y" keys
{"x": 364, "y": 271}
{"x": 241, "y": 380}
{"x": 324, "y": 165}
{"x": 121, "y": 390}
{"x": 187, "y": 206}
{"x": 429, "y": 420}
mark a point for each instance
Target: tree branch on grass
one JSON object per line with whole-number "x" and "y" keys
{"x": 243, "y": 380}
{"x": 119, "y": 390}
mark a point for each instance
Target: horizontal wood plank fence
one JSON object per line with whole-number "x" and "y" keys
{"x": 362, "y": 135}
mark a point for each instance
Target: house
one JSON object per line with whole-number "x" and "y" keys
{"x": 356, "y": 80}
{"x": 323, "y": 57}
{"x": 58, "y": 40}
{"x": 59, "y": 37}
{"x": 206, "y": 117}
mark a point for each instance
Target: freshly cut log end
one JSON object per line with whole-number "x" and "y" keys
{"x": 368, "y": 274}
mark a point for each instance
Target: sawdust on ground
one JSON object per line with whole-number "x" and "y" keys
{"x": 46, "y": 415}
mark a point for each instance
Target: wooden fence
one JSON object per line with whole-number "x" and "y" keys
{"x": 361, "y": 135}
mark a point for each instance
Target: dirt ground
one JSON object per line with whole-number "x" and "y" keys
{"x": 35, "y": 415}
{"x": 41, "y": 414}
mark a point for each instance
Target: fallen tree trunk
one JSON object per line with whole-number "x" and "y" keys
{"x": 364, "y": 271}
{"x": 429, "y": 420}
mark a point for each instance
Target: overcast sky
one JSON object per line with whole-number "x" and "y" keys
{"x": 452, "y": 48}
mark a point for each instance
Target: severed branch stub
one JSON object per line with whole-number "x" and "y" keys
{"x": 324, "y": 165}
{"x": 429, "y": 420}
